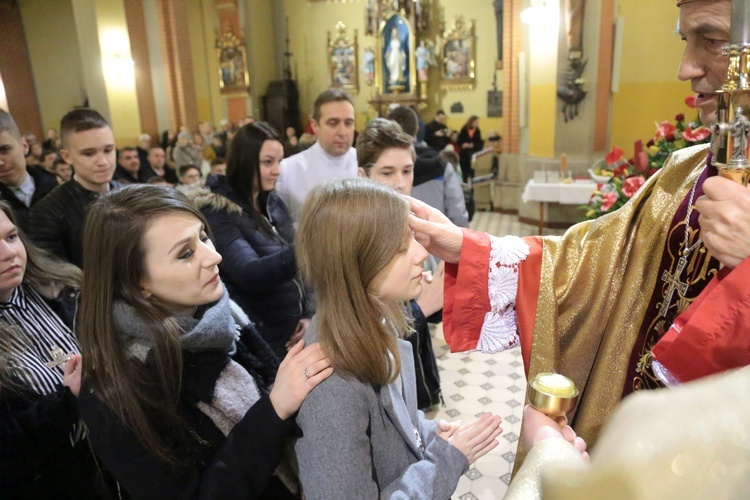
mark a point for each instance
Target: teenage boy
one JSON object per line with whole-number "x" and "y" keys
{"x": 88, "y": 145}
{"x": 21, "y": 186}
{"x": 435, "y": 180}
{"x": 385, "y": 154}
{"x": 331, "y": 157}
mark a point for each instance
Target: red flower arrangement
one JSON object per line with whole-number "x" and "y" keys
{"x": 626, "y": 177}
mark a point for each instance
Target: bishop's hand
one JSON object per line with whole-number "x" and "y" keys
{"x": 725, "y": 220}
{"x": 435, "y": 231}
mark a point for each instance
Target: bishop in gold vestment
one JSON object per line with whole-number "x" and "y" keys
{"x": 588, "y": 303}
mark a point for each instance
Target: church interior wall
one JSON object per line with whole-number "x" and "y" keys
{"x": 55, "y": 57}
{"x": 258, "y": 18}
{"x": 310, "y": 22}
{"x": 202, "y": 31}
{"x": 649, "y": 91}
{"x": 576, "y": 137}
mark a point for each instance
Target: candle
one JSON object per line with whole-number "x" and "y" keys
{"x": 563, "y": 164}
{"x": 740, "y": 26}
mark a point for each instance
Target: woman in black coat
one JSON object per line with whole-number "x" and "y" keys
{"x": 255, "y": 235}
{"x": 470, "y": 140}
{"x": 180, "y": 396}
{"x": 43, "y": 448}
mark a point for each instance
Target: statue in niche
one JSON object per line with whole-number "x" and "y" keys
{"x": 395, "y": 59}
{"x": 368, "y": 66}
{"x": 425, "y": 55}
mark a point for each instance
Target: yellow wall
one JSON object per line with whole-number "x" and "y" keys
{"x": 543, "y": 49}
{"x": 649, "y": 90}
{"x": 55, "y": 57}
{"x": 261, "y": 52}
{"x": 202, "y": 26}
{"x": 310, "y": 22}
{"x": 119, "y": 72}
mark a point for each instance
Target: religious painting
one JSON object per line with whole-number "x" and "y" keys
{"x": 457, "y": 56}
{"x": 342, "y": 59}
{"x": 395, "y": 57}
{"x": 231, "y": 55}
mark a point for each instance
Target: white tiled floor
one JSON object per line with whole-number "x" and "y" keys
{"x": 476, "y": 383}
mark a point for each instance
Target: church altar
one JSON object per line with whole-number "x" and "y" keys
{"x": 575, "y": 193}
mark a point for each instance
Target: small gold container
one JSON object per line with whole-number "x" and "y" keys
{"x": 553, "y": 394}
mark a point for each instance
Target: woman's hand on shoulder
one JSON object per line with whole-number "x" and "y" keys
{"x": 301, "y": 370}
{"x": 72, "y": 374}
{"x": 473, "y": 439}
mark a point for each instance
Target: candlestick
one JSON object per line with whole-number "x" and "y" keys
{"x": 740, "y": 25}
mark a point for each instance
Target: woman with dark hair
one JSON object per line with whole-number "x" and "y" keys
{"x": 179, "y": 393}
{"x": 470, "y": 140}
{"x": 43, "y": 449}
{"x": 254, "y": 233}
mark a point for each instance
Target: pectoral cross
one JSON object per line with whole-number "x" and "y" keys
{"x": 58, "y": 357}
{"x": 674, "y": 283}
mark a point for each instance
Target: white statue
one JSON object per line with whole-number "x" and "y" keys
{"x": 395, "y": 59}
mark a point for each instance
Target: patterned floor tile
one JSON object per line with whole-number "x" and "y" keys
{"x": 474, "y": 383}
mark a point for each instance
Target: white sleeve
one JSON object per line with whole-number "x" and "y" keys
{"x": 500, "y": 328}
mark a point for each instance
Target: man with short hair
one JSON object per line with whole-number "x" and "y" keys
{"x": 47, "y": 160}
{"x": 435, "y": 181}
{"x": 56, "y": 222}
{"x": 128, "y": 166}
{"x": 218, "y": 166}
{"x": 21, "y": 186}
{"x": 330, "y": 157}
{"x": 63, "y": 171}
{"x": 156, "y": 166}
{"x": 436, "y": 133}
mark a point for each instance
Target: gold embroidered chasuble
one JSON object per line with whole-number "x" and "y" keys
{"x": 596, "y": 282}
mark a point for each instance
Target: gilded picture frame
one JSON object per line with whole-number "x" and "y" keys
{"x": 343, "y": 61}
{"x": 395, "y": 66}
{"x": 231, "y": 56}
{"x": 458, "y": 56}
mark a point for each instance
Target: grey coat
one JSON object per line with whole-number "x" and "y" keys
{"x": 360, "y": 441}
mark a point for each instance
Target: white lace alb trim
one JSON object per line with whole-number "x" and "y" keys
{"x": 663, "y": 374}
{"x": 500, "y": 328}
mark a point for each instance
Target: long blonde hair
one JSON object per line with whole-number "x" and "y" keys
{"x": 349, "y": 231}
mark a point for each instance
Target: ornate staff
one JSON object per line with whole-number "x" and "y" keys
{"x": 731, "y": 131}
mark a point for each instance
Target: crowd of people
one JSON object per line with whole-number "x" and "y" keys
{"x": 238, "y": 313}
